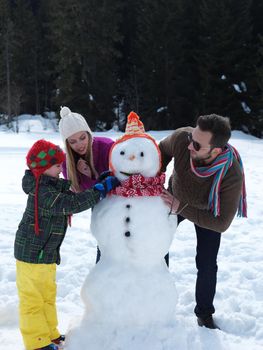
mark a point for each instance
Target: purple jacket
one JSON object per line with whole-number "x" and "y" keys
{"x": 100, "y": 147}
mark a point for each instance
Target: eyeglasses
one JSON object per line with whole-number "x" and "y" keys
{"x": 196, "y": 144}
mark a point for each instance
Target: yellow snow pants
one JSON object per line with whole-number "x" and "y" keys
{"x": 36, "y": 284}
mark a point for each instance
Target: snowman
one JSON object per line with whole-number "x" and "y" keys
{"x": 130, "y": 290}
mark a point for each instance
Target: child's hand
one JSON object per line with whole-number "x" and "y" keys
{"x": 106, "y": 185}
{"x": 104, "y": 174}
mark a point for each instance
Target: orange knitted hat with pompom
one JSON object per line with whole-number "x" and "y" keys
{"x": 134, "y": 128}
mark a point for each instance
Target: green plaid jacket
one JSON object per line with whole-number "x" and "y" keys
{"x": 55, "y": 203}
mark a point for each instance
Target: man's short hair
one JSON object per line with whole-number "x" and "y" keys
{"x": 219, "y": 127}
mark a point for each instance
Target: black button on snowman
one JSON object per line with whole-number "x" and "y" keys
{"x": 127, "y": 220}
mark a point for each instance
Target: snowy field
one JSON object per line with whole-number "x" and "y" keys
{"x": 239, "y": 298}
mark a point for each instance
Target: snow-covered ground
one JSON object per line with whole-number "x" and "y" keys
{"x": 239, "y": 298}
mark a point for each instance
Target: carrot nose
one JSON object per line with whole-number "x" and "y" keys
{"x": 132, "y": 157}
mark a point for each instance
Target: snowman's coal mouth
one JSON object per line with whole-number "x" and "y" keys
{"x": 127, "y": 174}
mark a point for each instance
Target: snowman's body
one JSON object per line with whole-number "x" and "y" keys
{"x": 130, "y": 287}
{"x": 131, "y": 284}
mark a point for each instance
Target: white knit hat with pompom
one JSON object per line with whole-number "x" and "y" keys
{"x": 70, "y": 123}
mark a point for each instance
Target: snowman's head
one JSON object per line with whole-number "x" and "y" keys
{"x": 135, "y": 152}
{"x": 136, "y": 155}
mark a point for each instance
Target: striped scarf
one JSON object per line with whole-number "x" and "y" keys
{"x": 219, "y": 168}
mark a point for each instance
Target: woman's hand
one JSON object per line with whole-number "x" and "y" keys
{"x": 84, "y": 168}
{"x": 172, "y": 202}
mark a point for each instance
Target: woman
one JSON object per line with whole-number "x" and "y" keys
{"x": 87, "y": 156}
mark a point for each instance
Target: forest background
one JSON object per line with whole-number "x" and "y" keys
{"x": 168, "y": 60}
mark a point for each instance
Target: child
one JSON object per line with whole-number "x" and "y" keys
{"x": 39, "y": 237}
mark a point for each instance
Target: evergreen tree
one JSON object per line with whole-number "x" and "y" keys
{"x": 226, "y": 68}
{"x": 186, "y": 83}
{"x": 46, "y": 73}
{"x": 6, "y": 47}
{"x": 85, "y": 35}
{"x": 163, "y": 66}
{"x": 256, "y": 126}
{"x": 169, "y": 60}
{"x": 128, "y": 95}
{"x": 25, "y": 57}
{"x": 151, "y": 53}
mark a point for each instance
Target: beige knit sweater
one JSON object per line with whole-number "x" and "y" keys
{"x": 193, "y": 191}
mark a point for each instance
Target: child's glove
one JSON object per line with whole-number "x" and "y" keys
{"x": 106, "y": 185}
{"x": 104, "y": 174}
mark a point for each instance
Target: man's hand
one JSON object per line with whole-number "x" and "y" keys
{"x": 83, "y": 167}
{"x": 172, "y": 202}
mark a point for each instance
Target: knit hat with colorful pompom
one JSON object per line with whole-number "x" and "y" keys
{"x": 42, "y": 156}
{"x": 134, "y": 129}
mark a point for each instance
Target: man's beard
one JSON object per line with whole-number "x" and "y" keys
{"x": 201, "y": 161}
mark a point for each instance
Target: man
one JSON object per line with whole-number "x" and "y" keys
{"x": 206, "y": 187}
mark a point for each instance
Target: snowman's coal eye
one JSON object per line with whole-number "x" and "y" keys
{"x": 122, "y": 153}
{"x": 142, "y": 154}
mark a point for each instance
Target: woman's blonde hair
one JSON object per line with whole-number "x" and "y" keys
{"x": 72, "y": 172}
